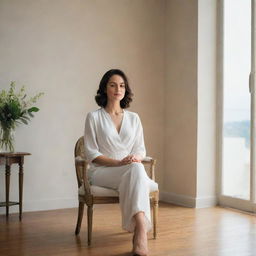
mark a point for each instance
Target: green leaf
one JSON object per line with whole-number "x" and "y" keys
{"x": 24, "y": 121}
{"x": 30, "y": 114}
{"x": 26, "y": 117}
{"x": 33, "y": 109}
{"x": 13, "y": 109}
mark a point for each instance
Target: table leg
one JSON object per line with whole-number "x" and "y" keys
{"x": 20, "y": 187}
{"x": 7, "y": 187}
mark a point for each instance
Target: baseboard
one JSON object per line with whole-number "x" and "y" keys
{"x": 53, "y": 204}
{"x": 205, "y": 202}
{"x": 178, "y": 199}
{"x": 187, "y": 201}
{"x": 43, "y": 205}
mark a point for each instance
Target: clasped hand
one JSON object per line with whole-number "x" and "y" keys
{"x": 129, "y": 159}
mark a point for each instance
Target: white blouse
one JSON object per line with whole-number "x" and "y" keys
{"x": 102, "y": 138}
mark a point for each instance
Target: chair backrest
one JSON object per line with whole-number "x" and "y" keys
{"x": 80, "y": 161}
{"x": 79, "y": 148}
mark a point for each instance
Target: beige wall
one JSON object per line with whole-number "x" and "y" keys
{"x": 206, "y": 124}
{"x": 190, "y": 136}
{"x": 181, "y": 99}
{"x": 190, "y": 145}
{"x": 62, "y": 48}
{"x": 167, "y": 49}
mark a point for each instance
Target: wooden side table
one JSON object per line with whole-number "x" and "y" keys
{"x": 8, "y": 159}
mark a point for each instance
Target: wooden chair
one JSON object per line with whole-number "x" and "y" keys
{"x": 89, "y": 194}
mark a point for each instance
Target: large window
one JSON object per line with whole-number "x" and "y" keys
{"x": 236, "y": 164}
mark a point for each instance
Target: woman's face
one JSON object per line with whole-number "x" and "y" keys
{"x": 115, "y": 88}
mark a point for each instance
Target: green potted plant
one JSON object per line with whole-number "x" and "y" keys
{"x": 15, "y": 109}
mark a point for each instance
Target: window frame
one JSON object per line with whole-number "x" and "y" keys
{"x": 223, "y": 200}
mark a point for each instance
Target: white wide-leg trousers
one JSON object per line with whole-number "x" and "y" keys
{"x": 133, "y": 185}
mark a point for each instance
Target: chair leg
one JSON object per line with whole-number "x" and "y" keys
{"x": 155, "y": 216}
{"x": 80, "y": 217}
{"x": 89, "y": 222}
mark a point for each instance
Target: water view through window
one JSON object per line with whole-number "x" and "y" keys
{"x": 236, "y": 99}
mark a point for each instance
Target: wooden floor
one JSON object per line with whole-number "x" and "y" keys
{"x": 182, "y": 232}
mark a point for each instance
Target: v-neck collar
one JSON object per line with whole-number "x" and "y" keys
{"x": 112, "y": 122}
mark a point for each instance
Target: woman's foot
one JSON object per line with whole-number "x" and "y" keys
{"x": 140, "y": 242}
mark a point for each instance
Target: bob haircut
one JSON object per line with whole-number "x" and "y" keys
{"x": 101, "y": 97}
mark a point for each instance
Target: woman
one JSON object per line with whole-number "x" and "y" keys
{"x": 114, "y": 146}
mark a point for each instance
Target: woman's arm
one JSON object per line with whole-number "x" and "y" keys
{"x": 106, "y": 161}
{"x": 90, "y": 140}
{"x": 138, "y": 150}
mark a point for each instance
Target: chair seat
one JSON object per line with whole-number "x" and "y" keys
{"x": 99, "y": 191}
{"x": 102, "y": 191}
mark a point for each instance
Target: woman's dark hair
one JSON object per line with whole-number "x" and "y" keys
{"x": 101, "y": 97}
